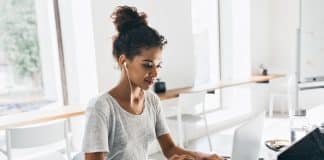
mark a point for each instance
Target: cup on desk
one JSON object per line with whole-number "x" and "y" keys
{"x": 159, "y": 86}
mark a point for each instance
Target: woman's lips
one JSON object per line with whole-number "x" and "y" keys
{"x": 149, "y": 81}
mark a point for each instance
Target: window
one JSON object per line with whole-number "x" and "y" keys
{"x": 29, "y": 63}
{"x": 205, "y": 24}
{"x": 222, "y": 49}
{"x": 235, "y": 53}
{"x": 205, "y": 29}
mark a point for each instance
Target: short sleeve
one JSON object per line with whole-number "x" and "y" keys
{"x": 161, "y": 126}
{"x": 95, "y": 137}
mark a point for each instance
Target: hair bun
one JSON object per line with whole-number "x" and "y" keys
{"x": 126, "y": 18}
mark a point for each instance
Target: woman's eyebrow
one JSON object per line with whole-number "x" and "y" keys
{"x": 148, "y": 60}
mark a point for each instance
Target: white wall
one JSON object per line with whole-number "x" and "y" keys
{"x": 206, "y": 40}
{"x": 241, "y": 38}
{"x": 260, "y": 34}
{"x": 79, "y": 53}
{"x": 226, "y": 39}
{"x": 312, "y": 40}
{"x": 260, "y": 50}
{"x": 283, "y": 25}
{"x": 236, "y": 39}
{"x": 103, "y": 32}
{"x": 284, "y": 20}
{"x": 273, "y": 35}
{"x": 236, "y": 51}
{"x": 273, "y": 43}
{"x": 80, "y": 62}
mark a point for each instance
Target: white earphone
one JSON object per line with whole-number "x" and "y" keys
{"x": 129, "y": 81}
{"x": 125, "y": 67}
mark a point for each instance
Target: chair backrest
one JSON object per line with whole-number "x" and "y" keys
{"x": 247, "y": 139}
{"x": 185, "y": 110}
{"x": 79, "y": 156}
{"x": 191, "y": 99}
{"x": 291, "y": 93}
{"x": 36, "y": 135}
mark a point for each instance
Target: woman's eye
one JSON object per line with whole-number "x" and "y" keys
{"x": 148, "y": 65}
{"x": 151, "y": 65}
{"x": 159, "y": 66}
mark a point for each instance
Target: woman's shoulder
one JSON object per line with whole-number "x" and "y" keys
{"x": 152, "y": 96}
{"x": 154, "y": 100}
{"x": 99, "y": 103}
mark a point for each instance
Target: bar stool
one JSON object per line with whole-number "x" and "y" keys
{"x": 284, "y": 93}
{"x": 187, "y": 100}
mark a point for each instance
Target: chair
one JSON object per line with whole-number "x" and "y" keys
{"x": 273, "y": 97}
{"x": 287, "y": 93}
{"x": 79, "y": 156}
{"x": 187, "y": 100}
{"x": 38, "y": 141}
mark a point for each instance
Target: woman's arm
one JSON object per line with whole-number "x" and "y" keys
{"x": 95, "y": 156}
{"x": 170, "y": 149}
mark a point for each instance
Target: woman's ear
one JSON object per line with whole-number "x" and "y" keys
{"x": 122, "y": 59}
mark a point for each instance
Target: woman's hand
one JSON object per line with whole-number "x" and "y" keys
{"x": 187, "y": 157}
{"x": 213, "y": 157}
{"x": 181, "y": 157}
{"x": 176, "y": 153}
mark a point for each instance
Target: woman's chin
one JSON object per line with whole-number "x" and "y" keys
{"x": 146, "y": 86}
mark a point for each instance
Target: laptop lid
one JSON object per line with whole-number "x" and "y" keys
{"x": 247, "y": 139}
{"x": 311, "y": 147}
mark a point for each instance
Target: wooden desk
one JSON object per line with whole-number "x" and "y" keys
{"x": 39, "y": 116}
{"x": 173, "y": 93}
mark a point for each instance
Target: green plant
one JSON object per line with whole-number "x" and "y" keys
{"x": 18, "y": 36}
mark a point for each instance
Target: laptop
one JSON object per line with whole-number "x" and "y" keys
{"x": 247, "y": 139}
{"x": 310, "y": 147}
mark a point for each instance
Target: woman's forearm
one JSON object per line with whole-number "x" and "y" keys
{"x": 195, "y": 155}
{"x": 180, "y": 151}
{"x": 170, "y": 149}
{"x": 95, "y": 156}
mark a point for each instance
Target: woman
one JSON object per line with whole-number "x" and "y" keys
{"x": 124, "y": 121}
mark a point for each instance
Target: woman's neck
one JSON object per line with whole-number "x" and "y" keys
{"x": 126, "y": 93}
{"x": 132, "y": 103}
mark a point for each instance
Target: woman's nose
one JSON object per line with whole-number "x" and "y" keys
{"x": 154, "y": 71}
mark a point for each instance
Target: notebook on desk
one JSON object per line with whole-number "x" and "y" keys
{"x": 311, "y": 147}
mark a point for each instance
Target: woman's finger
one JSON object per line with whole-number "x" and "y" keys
{"x": 174, "y": 157}
{"x": 181, "y": 157}
{"x": 214, "y": 157}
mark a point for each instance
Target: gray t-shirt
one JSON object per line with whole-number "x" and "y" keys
{"x": 122, "y": 135}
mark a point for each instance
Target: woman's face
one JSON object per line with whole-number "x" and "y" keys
{"x": 145, "y": 67}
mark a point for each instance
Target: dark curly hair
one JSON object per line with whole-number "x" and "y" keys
{"x": 134, "y": 34}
